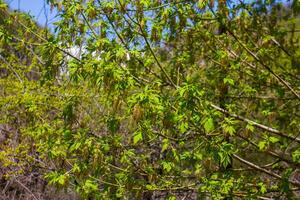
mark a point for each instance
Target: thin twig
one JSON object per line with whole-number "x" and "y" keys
{"x": 261, "y": 126}
{"x": 27, "y": 189}
{"x": 250, "y": 164}
{"x": 12, "y": 69}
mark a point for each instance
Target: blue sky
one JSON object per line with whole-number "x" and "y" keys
{"x": 36, "y": 8}
{"x": 41, "y": 11}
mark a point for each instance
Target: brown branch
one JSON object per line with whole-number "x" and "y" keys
{"x": 88, "y": 24}
{"x": 250, "y": 164}
{"x": 261, "y": 126}
{"x": 285, "y": 83}
{"x": 27, "y": 189}
{"x": 272, "y": 153}
{"x": 151, "y": 50}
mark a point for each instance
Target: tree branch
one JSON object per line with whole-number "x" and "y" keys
{"x": 261, "y": 126}
{"x": 250, "y": 164}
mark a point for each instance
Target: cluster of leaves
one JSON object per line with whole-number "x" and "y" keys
{"x": 165, "y": 98}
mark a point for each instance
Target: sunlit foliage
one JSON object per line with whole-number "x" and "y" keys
{"x": 163, "y": 99}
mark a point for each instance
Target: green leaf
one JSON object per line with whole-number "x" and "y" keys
{"x": 224, "y": 158}
{"x": 262, "y": 145}
{"x": 273, "y": 139}
{"x": 150, "y": 187}
{"x": 61, "y": 179}
{"x": 76, "y": 168}
{"x": 75, "y": 146}
{"x": 171, "y": 197}
{"x": 175, "y": 155}
{"x": 138, "y": 136}
{"x": 120, "y": 192}
{"x": 167, "y": 166}
{"x": 165, "y": 145}
{"x": 296, "y": 155}
{"x": 209, "y": 125}
{"x": 183, "y": 127}
{"x": 228, "y": 80}
{"x": 230, "y": 130}
{"x": 202, "y": 3}
{"x": 121, "y": 53}
{"x": 263, "y": 188}
{"x": 250, "y": 127}
{"x": 90, "y": 186}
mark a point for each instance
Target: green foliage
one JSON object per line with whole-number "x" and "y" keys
{"x": 165, "y": 98}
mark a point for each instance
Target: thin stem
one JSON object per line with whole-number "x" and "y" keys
{"x": 250, "y": 164}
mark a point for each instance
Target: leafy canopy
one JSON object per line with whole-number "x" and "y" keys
{"x": 162, "y": 98}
